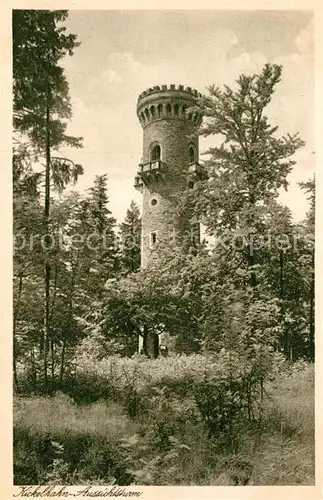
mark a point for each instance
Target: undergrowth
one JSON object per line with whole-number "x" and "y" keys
{"x": 171, "y": 421}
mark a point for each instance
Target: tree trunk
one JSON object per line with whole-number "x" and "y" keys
{"x": 54, "y": 292}
{"x": 312, "y": 312}
{"x": 62, "y": 368}
{"x": 15, "y": 318}
{"x": 251, "y": 263}
{"x": 251, "y": 250}
{"x": 70, "y": 317}
{"x": 52, "y": 355}
{"x": 15, "y": 374}
{"x": 33, "y": 369}
{"x": 145, "y": 341}
{"x": 155, "y": 347}
{"x": 47, "y": 265}
{"x": 52, "y": 345}
{"x": 285, "y": 338}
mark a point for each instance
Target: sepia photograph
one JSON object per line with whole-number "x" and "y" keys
{"x": 163, "y": 185}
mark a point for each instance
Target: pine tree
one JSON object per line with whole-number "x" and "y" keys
{"x": 27, "y": 261}
{"x": 103, "y": 242}
{"x": 130, "y": 235}
{"x": 41, "y": 108}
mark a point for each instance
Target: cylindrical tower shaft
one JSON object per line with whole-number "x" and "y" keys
{"x": 170, "y": 155}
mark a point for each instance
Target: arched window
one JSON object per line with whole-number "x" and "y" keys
{"x": 152, "y": 111}
{"x": 191, "y": 154}
{"x": 155, "y": 153}
{"x": 176, "y": 110}
{"x": 160, "y": 110}
{"x": 169, "y": 110}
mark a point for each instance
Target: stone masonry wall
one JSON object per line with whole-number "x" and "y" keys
{"x": 174, "y": 137}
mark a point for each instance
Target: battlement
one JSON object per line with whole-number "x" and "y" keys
{"x": 168, "y": 101}
{"x": 170, "y": 88}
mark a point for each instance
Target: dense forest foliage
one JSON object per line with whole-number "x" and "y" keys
{"x": 234, "y": 309}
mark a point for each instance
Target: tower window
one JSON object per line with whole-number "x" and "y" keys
{"x": 191, "y": 154}
{"x": 169, "y": 110}
{"x": 154, "y": 201}
{"x": 153, "y": 239}
{"x": 155, "y": 153}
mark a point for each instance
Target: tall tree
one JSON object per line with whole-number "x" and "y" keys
{"x": 42, "y": 108}
{"x": 252, "y": 162}
{"x": 130, "y": 234}
{"x": 102, "y": 245}
{"x": 27, "y": 259}
{"x": 309, "y": 261}
{"x": 246, "y": 171}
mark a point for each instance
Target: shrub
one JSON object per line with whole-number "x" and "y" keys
{"x": 61, "y": 438}
{"x": 178, "y": 420}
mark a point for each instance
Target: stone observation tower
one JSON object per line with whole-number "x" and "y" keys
{"x": 169, "y": 163}
{"x": 169, "y": 166}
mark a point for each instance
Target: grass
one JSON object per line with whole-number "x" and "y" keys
{"x": 167, "y": 443}
{"x": 58, "y": 416}
{"x": 287, "y": 454}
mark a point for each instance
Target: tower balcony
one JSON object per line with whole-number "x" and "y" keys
{"x": 151, "y": 166}
{"x": 149, "y": 171}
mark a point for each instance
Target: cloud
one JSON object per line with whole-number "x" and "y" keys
{"x": 111, "y": 76}
{"x": 106, "y": 112}
{"x": 123, "y": 62}
{"x": 304, "y": 41}
{"x": 245, "y": 63}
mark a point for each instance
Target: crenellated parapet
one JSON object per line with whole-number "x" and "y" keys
{"x": 168, "y": 102}
{"x": 172, "y": 87}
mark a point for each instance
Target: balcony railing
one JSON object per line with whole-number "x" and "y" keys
{"x": 149, "y": 171}
{"x": 151, "y": 166}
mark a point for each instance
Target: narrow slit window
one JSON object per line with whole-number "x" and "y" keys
{"x": 153, "y": 238}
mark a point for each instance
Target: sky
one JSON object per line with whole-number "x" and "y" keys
{"x": 124, "y": 52}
